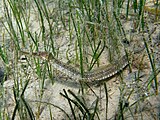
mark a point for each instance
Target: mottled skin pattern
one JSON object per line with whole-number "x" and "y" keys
{"x": 93, "y": 76}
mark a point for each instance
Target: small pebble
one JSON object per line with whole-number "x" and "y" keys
{"x": 1, "y": 74}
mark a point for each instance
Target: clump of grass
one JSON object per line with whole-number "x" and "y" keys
{"x": 87, "y": 113}
{"x": 17, "y": 26}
